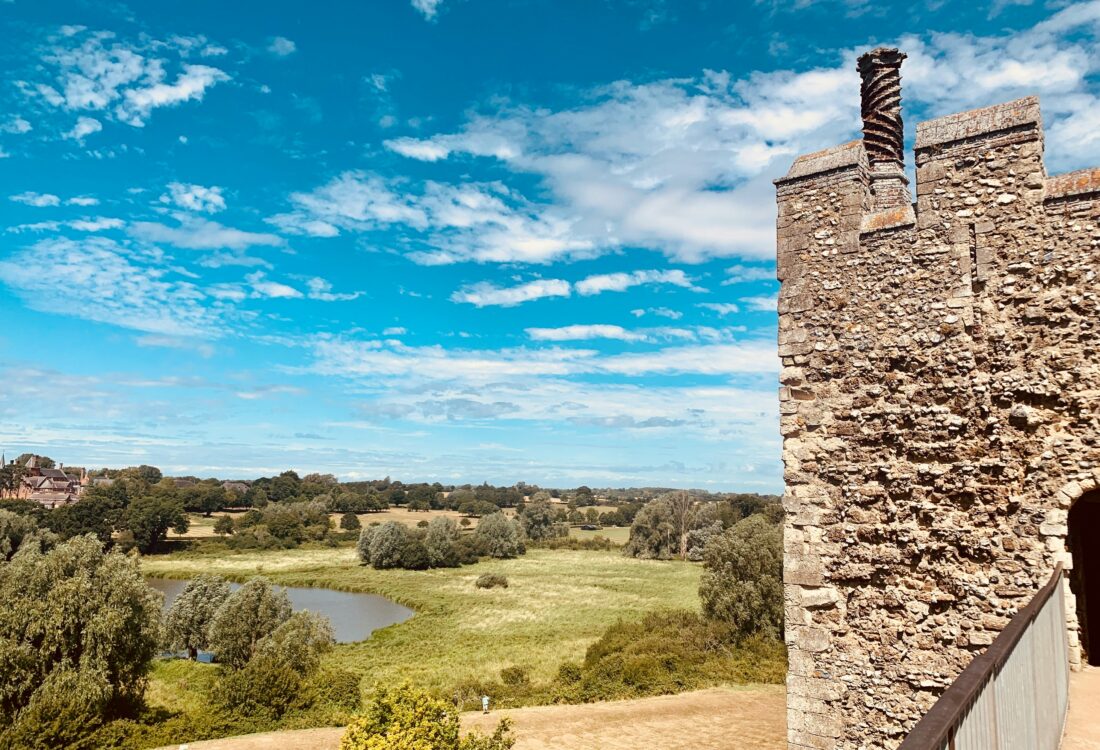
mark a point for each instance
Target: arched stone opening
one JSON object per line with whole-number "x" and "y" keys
{"x": 1084, "y": 545}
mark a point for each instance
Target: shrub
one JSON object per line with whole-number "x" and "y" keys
{"x": 362, "y": 547}
{"x": 387, "y": 544}
{"x": 250, "y": 613}
{"x": 403, "y": 718}
{"x": 440, "y": 542}
{"x": 187, "y": 624}
{"x": 742, "y": 582}
{"x": 501, "y": 536}
{"x": 224, "y": 525}
{"x": 491, "y": 580}
{"x": 669, "y": 652}
{"x": 414, "y": 555}
{"x": 336, "y": 686}
{"x": 350, "y": 522}
{"x": 514, "y": 676}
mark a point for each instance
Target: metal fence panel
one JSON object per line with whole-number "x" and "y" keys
{"x": 1015, "y": 695}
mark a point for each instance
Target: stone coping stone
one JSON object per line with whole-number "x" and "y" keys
{"x": 890, "y": 218}
{"x": 1081, "y": 182}
{"x": 848, "y": 154}
{"x": 979, "y": 122}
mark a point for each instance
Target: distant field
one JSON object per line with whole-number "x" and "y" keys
{"x": 203, "y": 527}
{"x": 557, "y": 604}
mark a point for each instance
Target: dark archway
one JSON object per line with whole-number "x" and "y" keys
{"x": 1084, "y": 543}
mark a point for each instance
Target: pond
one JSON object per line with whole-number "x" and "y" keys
{"x": 354, "y": 616}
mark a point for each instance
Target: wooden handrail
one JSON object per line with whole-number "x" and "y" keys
{"x": 937, "y": 726}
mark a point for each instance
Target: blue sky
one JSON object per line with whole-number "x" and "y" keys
{"x": 454, "y": 240}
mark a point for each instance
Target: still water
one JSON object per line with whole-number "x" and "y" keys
{"x": 354, "y": 616}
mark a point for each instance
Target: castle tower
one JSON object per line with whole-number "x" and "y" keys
{"x": 938, "y": 405}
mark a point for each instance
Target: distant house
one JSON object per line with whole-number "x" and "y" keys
{"x": 51, "y": 488}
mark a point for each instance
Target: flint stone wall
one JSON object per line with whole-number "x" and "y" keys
{"x": 940, "y": 395}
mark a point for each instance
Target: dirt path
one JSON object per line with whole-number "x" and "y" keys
{"x": 706, "y": 718}
{"x": 1082, "y": 729}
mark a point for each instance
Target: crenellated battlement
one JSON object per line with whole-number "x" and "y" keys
{"x": 938, "y": 403}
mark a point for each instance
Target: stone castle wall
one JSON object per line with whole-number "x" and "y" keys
{"x": 940, "y": 408}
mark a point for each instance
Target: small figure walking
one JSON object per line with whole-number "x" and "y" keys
{"x": 484, "y": 704}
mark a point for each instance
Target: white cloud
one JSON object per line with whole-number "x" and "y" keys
{"x": 664, "y": 312}
{"x": 740, "y": 274}
{"x": 82, "y": 200}
{"x": 264, "y": 288}
{"x": 584, "y": 333}
{"x": 321, "y": 290}
{"x": 394, "y": 331}
{"x": 38, "y": 200}
{"x": 84, "y": 126}
{"x": 428, "y": 8}
{"x": 15, "y": 125}
{"x": 119, "y": 285}
{"x": 195, "y": 197}
{"x": 94, "y": 71}
{"x": 620, "y": 282}
{"x": 282, "y": 46}
{"x": 484, "y": 294}
{"x": 195, "y": 233}
{"x": 721, "y": 308}
{"x": 97, "y": 224}
{"x": 483, "y": 222}
{"x": 764, "y": 303}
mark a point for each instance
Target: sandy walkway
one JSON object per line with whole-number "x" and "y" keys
{"x": 706, "y": 718}
{"x": 1082, "y": 728}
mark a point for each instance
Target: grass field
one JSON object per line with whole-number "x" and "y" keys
{"x": 558, "y": 602}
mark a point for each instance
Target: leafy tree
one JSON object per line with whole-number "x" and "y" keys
{"x": 224, "y": 525}
{"x": 19, "y": 531}
{"x": 144, "y": 473}
{"x": 653, "y": 533}
{"x": 742, "y": 581}
{"x": 477, "y": 508}
{"x": 439, "y": 542}
{"x": 251, "y": 613}
{"x": 362, "y": 547}
{"x": 387, "y": 544}
{"x": 350, "y": 522}
{"x": 78, "y": 632}
{"x": 44, "y": 462}
{"x": 501, "y": 536}
{"x": 148, "y": 518}
{"x": 91, "y": 515}
{"x": 539, "y": 520}
{"x": 187, "y": 624}
{"x": 414, "y": 555}
{"x": 404, "y": 718}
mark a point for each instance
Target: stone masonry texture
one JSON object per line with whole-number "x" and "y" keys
{"x": 940, "y": 409}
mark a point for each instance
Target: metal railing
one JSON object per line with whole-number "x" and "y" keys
{"x": 1015, "y": 695}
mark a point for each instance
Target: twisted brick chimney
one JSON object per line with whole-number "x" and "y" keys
{"x": 883, "y": 136}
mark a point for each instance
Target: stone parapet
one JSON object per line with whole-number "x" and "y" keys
{"x": 976, "y": 123}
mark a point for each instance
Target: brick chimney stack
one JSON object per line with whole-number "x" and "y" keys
{"x": 883, "y": 135}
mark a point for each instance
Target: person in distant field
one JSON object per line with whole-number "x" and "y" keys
{"x": 484, "y": 704}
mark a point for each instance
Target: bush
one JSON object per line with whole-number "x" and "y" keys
{"x": 514, "y": 676}
{"x": 223, "y": 526}
{"x": 187, "y": 624}
{"x": 414, "y": 555}
{"x": 501, "y": 536}
{"x": 335, "y": 686}
{"x": 387, "y": 545}
{"x": 742, "y": 583}
{"x": 350, "y": 522}
{"x": 669, "y": 652}
{"x": 440, "y": 542}
{"x": 403, "y": 718}
{"x": 250, "y": 613}
{"x": 491, "y": 580}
